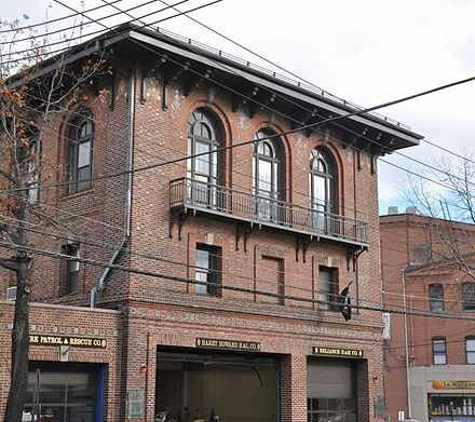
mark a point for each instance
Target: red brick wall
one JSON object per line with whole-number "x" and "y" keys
{"x": 401, "y": 236}
{"x": 173, "y": 314}
{"x": 291, "y": 337}
{"x": 422, "y": 330}
{"x": 67, "y": 321}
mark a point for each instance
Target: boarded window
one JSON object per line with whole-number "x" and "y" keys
{"x": 271, "y": 280}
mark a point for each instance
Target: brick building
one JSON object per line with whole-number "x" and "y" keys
{"x": 416, "y": 274}
{"x": 235, "y": 258}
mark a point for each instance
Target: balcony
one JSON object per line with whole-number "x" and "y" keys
{"x": 193, "y": 195}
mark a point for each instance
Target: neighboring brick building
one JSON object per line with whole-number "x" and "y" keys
{"x": 241, "y": 254}
{"x": 412, "y": 247}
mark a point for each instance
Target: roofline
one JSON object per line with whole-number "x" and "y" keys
{"x": 75, "y": 53}
{"x": 449, "y": 264}
{"x": 195, "y": 52}
{"x": 403, "y": 216}
{"x": 207, "y": 57}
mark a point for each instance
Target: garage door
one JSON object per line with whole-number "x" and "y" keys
{"x": 331, "y": 391}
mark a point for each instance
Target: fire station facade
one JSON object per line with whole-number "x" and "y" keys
{"x": 218, "y": 297}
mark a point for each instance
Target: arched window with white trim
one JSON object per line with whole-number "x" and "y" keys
{"x": 268, "y": 172}
{"x": 81, "y": 136}
{"x": 323, "y": 188}
{"x": 204, "y": 137}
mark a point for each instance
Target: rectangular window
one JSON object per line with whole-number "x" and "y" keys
{"x": 62, "y": 393}
{"x": 328, "y": 288}
{"x": 468, "y": 296}
{"x": 80, "y": 163}
{"x": 439, "y": 351}
{"x": 436, "y": 298}
{"x": 470, "y": 349}
{"x": 72, "y": 267}
{"x": 451, "y": 407}
{"x": 208, "y": 270}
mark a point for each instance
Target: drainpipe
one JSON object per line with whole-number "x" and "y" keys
{"x": 406, "y": 341}
{"x": 99, "y": 286}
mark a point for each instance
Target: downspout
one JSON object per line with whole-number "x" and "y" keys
{"x": 99, "y": 286}
{"x": 406, "y": 341}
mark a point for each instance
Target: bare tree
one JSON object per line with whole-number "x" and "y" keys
{"x": 451, "y": 199}
{"x": 35, "y": 85}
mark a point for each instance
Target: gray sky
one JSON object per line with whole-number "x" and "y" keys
{"x": 368, "y": 52}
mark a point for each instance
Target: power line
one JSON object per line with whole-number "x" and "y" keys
{"x": 47, "y": 22}
{"x": 81, "y": 25}
{"x": 359, "y": 112}
{"x": 434, "y": 168}
{"x": 136, "y": 252}
{"x": 233, "y": 170}
{"x": 280, "y": 67}
{"x": 102, "y": 31}
{"x": 435, "y": 145}
{"x": 403, "y": 169}
{"x": 443, "y": 185}
{"x": 24, "y": 248}
{"x": 139, "y": 253}
{"x": 239, "y": 144}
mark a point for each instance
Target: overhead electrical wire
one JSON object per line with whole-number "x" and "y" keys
{"x": 82, "y": 25}
{"x": 358, "y": 112}
{"x": 280, "y": 67}
{"x": 17, "y": 29}
{"x": 102, "y": 31}
{"x": 239, "y": 144}
{"x": 433, "y": 168}
{"x": 222, "y": 286}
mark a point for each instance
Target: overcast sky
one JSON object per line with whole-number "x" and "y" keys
{"x": 366, "y": 51}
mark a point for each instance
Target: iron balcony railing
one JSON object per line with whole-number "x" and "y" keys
{"x": 191, "y": 194}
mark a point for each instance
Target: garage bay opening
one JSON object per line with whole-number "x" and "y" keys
{"x": 203, "y": 385}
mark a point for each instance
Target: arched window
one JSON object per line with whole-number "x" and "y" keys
{"x": 323, "y": 183}
{"x": 268, "y": 175}
{"x": 81, "y": 135}
{"x": 436, "y": 297}
{"x": 204, "y": 136}
{"x": 468, "y": 296}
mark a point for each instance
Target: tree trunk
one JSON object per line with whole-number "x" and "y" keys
{"x": 20, "y": 343}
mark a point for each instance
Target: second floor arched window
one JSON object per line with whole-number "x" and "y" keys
{"x": 323, "y": 184}
{"x": 436, "y": 298}
{"x": 204, "y": 137}
{"x": 268, "y": 175}
{"x": 80, "y": 138}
